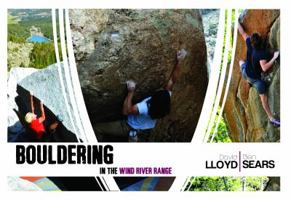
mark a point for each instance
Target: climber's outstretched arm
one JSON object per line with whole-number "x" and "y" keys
{"x": 174, "y": 76}
{"x": 31, "y": 102}
{"x": 242, "y": 32}
{"x": 42, "y": 118}
{"x": 128, "y": 107}
{"x": 176, "y": 70}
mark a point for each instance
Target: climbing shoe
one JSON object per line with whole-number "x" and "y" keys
{"x": 275, "y": 122}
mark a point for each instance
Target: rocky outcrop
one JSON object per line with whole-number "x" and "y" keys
{"x": 112, "y": 46}
{"x": 18, "y": 54}
{"x": 210, "y": 19}
{"x": 244, "y": 114}
{"x": 46, "y": 86}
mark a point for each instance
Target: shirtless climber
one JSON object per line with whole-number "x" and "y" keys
{"x": 258, "y": 60}
{"x": 143, "y": 115}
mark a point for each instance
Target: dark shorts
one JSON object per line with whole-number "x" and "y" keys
{"x": 118, "y": 128}
{"x": 259, "y": 84}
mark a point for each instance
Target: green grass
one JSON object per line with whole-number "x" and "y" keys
{"x": 13, "y": 19}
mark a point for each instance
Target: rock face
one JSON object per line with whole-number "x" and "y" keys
{"x": 15, "y": 76}
{"x": 112, "y": 46}
{"x": 45, "y": 85}
{"x": 210, "y": 19}
{"x": 273, "y": 184}
{"x": 244, "y": 114}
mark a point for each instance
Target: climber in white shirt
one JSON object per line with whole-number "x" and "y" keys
{"x": 143, "y": 115}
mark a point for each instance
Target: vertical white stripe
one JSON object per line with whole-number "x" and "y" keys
{"x": 209, "y": 97}
{"x": 66, "y": 74}
{"x": 222, "y": 75}
{"x": 59, "y": 68}
{"x": 3, "y": 99}
{"x": 84, "y": 118}
{"x": 229, "y": 73}
{"x": 212, "y": 84}
{"x": 79, "y": 100}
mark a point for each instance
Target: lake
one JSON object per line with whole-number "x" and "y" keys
{"x": 38, "y": 39}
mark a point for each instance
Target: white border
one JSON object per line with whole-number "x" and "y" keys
{"x": 224, "y": 69}
{"x": 211, "y": 93}
{"x": 230, "y": 71}
{"x": 221, "y": 72}
{"x": 174, "y": 4}
{"x": 66, "y": 77}
{"x": 3, "y": 95}
{"x": 285, "y": 95}
{"x": 76, "y": 85}
{"x": 60, "y": 70}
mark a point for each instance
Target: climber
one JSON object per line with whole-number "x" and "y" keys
{"x": 144, "y": 114}
{"x": 37, "y": 124}
{"x": 258, "y": 60}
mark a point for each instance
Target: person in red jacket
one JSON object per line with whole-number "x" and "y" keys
{"x": 36, "y": 124}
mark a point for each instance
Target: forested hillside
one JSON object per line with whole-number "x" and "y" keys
{"x": 22, "y": 24}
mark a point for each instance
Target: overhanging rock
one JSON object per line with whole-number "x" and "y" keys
{"x": 47, "y": 85}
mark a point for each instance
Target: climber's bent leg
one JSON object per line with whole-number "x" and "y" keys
{"x": 241, "y": 62}
{"x": 243, "y": 66}
{"x": 116, "y": 128}
{"x": 260, "y": 86}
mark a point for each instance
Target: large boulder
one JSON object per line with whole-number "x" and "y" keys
{"x": 244, "y": 114}
{"x": 112, "y": 46}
